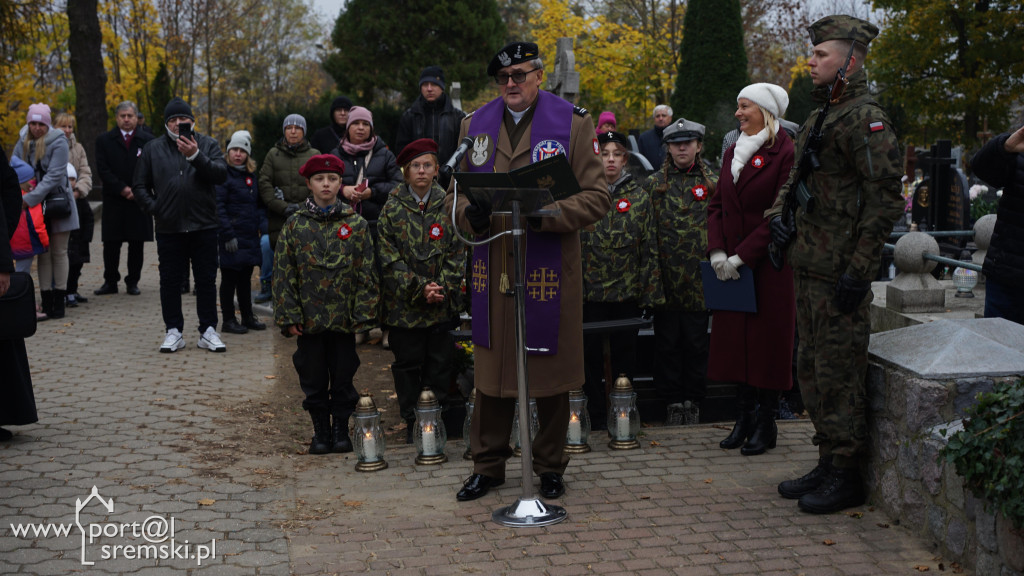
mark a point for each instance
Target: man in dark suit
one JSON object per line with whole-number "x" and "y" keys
{"x": 123, "y": 220}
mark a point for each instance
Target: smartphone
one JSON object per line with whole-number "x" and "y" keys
{"x": 185, "y": 131}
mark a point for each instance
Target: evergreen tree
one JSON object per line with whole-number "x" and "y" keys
{"x": 712, "y": 68}
{"x": 159, "y": 95}
{"x": 382, "y": 45}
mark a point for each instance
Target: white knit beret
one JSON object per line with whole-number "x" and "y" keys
{"x": 768, "y": 96}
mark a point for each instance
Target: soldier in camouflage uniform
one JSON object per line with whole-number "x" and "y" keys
{"x": 679, "y": 192}
{"x": 835, "y": 253}
{"x": 422, "y": 263}
{"x": 620, "y": 273}
{"x": 325, "y": 290}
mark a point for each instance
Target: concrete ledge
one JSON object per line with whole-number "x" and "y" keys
{"x": 920, "y": 381}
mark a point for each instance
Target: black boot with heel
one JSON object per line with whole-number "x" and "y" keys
{"x": 745, "y": 421}
{"x": 766, "y": 433}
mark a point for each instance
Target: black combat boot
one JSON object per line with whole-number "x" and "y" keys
{"x": 342, "y": 442}
{"x": 842, "y": 489}
{"x": 745, "y": 420}
{"x": 766, "y": 433}
{"x": 321, "y": 442}
{"x": 809, "y": 482}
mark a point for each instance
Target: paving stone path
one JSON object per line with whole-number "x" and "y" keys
{"x": 215, "y": 443}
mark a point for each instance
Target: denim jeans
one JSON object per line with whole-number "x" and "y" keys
{"x": 267, "y": 268}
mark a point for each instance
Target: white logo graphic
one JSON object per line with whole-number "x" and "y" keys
{"x": 156, "y": 531}
{"x": 504, "y": 59}
{"x": 481, "y": 150}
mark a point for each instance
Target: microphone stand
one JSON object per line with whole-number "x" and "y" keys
{"x": 528, "y": 510}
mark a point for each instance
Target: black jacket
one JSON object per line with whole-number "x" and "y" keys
{"x": 437, "y": 120}
{"x": 1001, "y": 169}
{"x": 327, "y": 138}
{"x": 123, "y": 221}
{"x": 382, "y": 172}
{"x": 180, "y": 194}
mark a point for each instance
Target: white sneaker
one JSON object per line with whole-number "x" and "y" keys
{"x": 211, "y": 341}
{"x": 172, "y": 342}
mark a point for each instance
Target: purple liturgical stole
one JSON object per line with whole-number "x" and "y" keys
{"x": 550, "y": 134}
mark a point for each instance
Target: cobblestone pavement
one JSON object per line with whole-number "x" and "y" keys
{"x": 215, "y": 444}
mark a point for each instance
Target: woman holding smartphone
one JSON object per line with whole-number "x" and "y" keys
{"x": 371, "y": 173}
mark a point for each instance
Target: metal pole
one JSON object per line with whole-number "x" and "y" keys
{"x": 528, "y": 510}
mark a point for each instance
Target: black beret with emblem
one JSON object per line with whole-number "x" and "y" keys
{"x": 842, "y": 27}
{"x": 617, "y": 137}
{"x": 513, "y": 53}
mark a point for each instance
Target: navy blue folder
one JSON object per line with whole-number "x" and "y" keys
{"x": 731, "y": 295}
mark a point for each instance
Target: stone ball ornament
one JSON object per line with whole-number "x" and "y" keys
{"x": 910, "y": 250}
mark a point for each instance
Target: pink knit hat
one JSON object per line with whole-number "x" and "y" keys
{"x": 359, "y": 113}
{"x": 607, "y": 117}
{"x": 39, "y": 112}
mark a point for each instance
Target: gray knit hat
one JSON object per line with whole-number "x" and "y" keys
{"x": 241, "y": 140}
{"x": 294, "y": 120}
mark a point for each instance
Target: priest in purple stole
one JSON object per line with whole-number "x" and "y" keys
{"x": 525, "y": 125}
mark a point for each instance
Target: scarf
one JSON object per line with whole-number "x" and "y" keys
{"x": 746, "y": 145}
{"x": 354, "y": 149}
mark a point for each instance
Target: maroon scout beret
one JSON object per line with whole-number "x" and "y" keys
{"x": 417, "y": 148}
{"x": 322, "y": 163}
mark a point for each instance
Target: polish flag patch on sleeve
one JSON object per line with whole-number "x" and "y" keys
{"x": 876, "y": 126}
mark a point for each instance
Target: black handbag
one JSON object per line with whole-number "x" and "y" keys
{"x": 57, "y": 203}
{"x": 18, "y": 308}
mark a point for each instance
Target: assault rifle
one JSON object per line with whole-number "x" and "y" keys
{"x": 798, "y": 192}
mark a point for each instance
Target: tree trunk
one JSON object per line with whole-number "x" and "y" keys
{"x": 84, "y": 44}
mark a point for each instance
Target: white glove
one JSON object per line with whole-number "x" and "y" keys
{"x": 717, "y": 258}
{"x": 730, "y": 270}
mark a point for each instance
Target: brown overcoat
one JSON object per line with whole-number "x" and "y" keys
{"x": 495, "y": 368}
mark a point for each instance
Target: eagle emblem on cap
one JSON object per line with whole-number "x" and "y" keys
{"x": 504, "y": 59}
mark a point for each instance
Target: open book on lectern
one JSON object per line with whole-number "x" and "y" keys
{"x": 552, "y": 174}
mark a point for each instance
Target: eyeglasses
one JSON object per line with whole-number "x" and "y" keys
{"x": 517, "y": 77}
{"x": 416, "y": 166}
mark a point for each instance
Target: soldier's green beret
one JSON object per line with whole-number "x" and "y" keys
{"x": 842, "y": 27}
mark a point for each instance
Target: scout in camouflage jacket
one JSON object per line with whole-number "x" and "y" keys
{"x": 857, "y": 189}
{"x": 620, "y": 253}
{"x": 324, "y": 277}
{"x": 415, "y": 248}
{"x": 680, "y": 203}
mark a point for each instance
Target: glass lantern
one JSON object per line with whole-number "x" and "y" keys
{"x": 579, "y": 424}
{"x": 467, "y": 425}
{"x": 965, "y": 280}
{"x": 368, "y": 437}
{"x": 534, "y": 426}
{"x": 623, "y": 418}
{"x": 430, "y": 435}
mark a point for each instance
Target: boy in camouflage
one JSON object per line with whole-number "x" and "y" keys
{"x": 325, "y": 290}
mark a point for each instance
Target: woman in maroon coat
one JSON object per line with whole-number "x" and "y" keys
{"x": 754, "y": 350}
